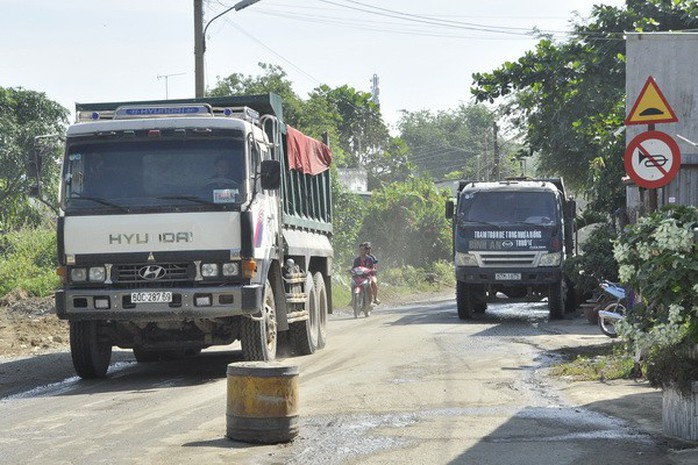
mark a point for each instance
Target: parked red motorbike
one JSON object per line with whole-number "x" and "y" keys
{"x": 360, "y": 296}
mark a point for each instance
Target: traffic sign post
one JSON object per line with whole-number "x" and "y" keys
{"x": 652, "y": 159}
{"x": 651, "y": 106}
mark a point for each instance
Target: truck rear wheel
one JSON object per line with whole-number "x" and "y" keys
{"x": 89, "y": 349}
{"x": 258, "y": 335}
{"x": 322, "y": 309}
{"x": 557, "y": 295}
{"x": 464, "y": 301}
{"x": 304, "y": 334}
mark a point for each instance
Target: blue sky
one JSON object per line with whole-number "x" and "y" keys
{"x": 424, "y": 53}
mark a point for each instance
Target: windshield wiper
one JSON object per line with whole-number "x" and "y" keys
{"x": 191, "y": 198}
{"x": 463, "y": 223}
{"x": 99, "y": 200}
{"x": 528, "y": 223}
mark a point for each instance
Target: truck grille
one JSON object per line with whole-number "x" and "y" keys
{"x": 160, "y": 273}
{"x": 508, "y": 259}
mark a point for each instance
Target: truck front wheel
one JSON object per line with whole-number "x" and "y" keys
{"x": 557, "y": 295}
{"x": 258, "y": 334}
{"x": 89, "y": 349}
{"x": 464, "y": 301}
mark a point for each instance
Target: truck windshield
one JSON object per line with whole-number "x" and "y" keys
{"x": 153, "y": 173}
{"x": 535, "y": 208}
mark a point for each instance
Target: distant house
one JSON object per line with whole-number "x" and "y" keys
{"x": 355, "y": 180}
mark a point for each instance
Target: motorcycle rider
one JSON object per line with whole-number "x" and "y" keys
{"x": 368, "y": 260}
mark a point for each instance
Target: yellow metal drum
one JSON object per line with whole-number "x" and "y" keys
{"x": 262, "y": 402}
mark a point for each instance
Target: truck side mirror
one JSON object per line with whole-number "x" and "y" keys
{"x": 34, "y": 164}
{"x": 450, "y": 206}
{"x": 270, "y": 174}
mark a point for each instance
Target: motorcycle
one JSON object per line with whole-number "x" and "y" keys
{"x": 615, "y": 310}
{"x": 360, "y": 296}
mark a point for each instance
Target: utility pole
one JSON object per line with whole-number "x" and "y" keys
{"x": 200, "y": 38}
{"x": 495, "y": 152}
{"x": 199, "y": 48}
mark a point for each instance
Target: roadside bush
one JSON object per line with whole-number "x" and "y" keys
{"x": 658, "y": 259}
{"x": 28, "y": 262}
{"x": 596, "y": 262}
{"x": 406, "y": 224}
{"x": 416, "y": 279}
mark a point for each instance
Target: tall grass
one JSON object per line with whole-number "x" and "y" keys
{"x": 394, "y": 284}
{"x": 28, "y": 261}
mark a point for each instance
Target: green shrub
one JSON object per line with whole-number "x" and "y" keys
{"x": 595, "y": 263}
{"x": 396, "y": 283}
{"x": 28, "y": 262}
{"x": 658, "y": 259}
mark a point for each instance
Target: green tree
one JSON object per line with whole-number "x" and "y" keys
{"x": 363, "y": 135}
{"x": 273, "y": 79}
{"x": 25, "y": 114}
{"x": 454, "y": 144}
{"x": 568, "y": 97}
{"x": 406, "y": 224}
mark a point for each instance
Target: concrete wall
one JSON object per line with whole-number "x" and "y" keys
{"x": 672, "y": 60}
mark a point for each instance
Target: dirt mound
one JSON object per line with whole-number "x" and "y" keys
{"x": 29, "y": 325}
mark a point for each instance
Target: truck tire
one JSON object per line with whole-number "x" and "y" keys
{"x": 571, "y": 299}
{"x": 259, "y": 336}
{"x": 89, "y": 349}
{"x": 557, "y": 296}
{"x": 304, "y": 334}
{"x": 464, "y": 301}
{"x": 323, "y": 309}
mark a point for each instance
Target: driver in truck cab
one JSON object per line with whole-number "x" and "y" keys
{"x": 223, "y": 172}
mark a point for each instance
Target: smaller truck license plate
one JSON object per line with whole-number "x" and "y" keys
{"x": 507, "y": 276}
{"x": 151, "y": 297}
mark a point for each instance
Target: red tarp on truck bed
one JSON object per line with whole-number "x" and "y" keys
{"x": 306, "y": 154}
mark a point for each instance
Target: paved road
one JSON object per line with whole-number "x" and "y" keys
{"x": 408, "y": 385}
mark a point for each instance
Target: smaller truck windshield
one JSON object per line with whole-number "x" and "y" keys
{"x": 505, "y": 207}
{"x": 153, "y": 173}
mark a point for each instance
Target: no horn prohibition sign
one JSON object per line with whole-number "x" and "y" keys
{"x": 652, "y": 159}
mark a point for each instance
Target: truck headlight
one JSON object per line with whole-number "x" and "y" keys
{"x": 465, "y": 259}
{"x": 551, "y": 259}
{"x": 97, "y": 274}
{"x": 231, "y": 269}
{"x": 78, "y": 275}
{"x": 209, "y": 270}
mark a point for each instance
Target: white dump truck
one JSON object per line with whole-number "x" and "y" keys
{"x": 191, "y": 223}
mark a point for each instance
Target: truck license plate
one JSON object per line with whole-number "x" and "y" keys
{"x": 151, "y": 297}
{"x": 507, "y": 276}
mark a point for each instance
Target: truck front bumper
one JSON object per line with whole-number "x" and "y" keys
{"x": 187, "y": 303}
{"x": 508, "y": 276}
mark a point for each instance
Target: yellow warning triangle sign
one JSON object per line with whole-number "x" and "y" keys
{"x": 651, "y": 106}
